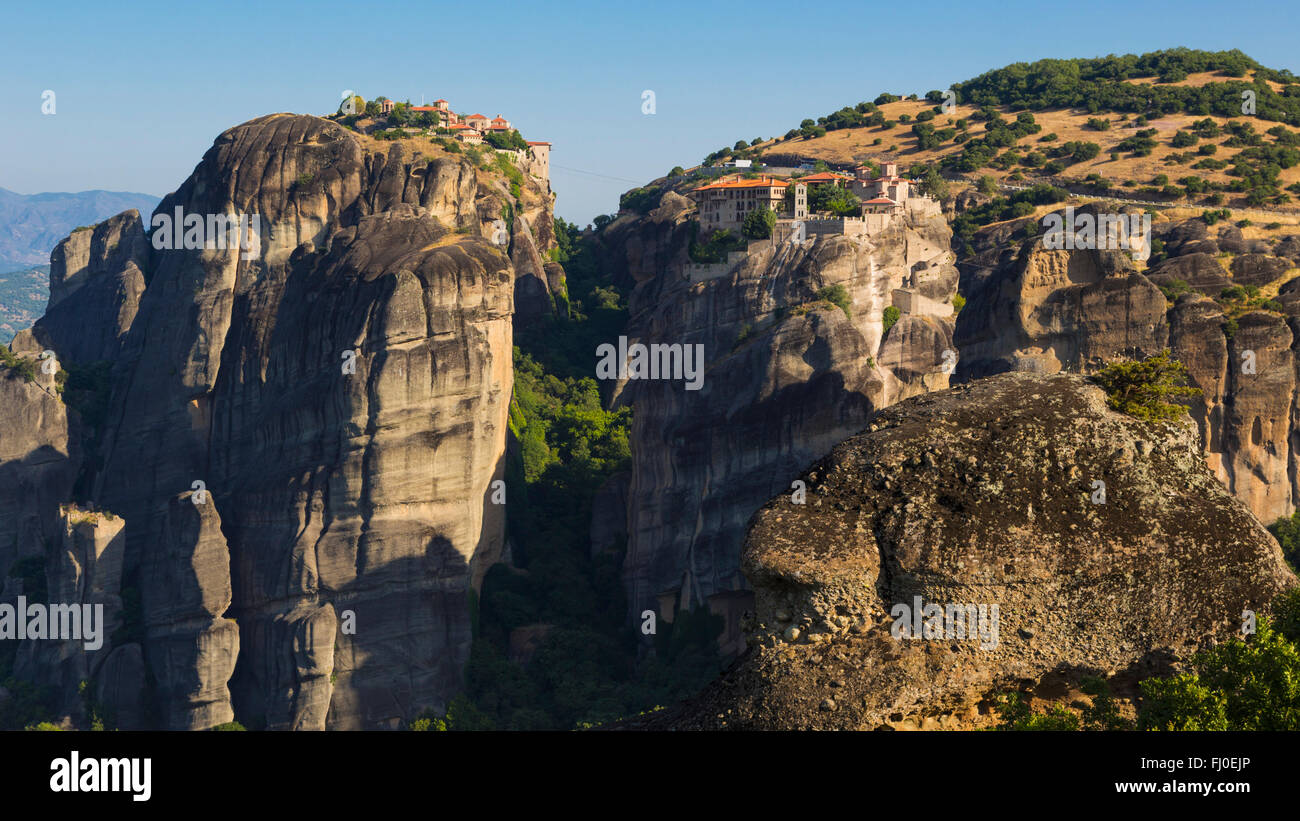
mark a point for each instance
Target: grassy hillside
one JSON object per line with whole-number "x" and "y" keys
{"x": 1166, "y": 126}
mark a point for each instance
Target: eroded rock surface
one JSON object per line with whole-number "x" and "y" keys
{"x": 302, "y": 432}
{"x": 985, "y": 494}
{"x": 1046, "y": 311}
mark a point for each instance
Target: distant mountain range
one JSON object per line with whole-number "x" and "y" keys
{"x": 32, "y": 224}
{"x": 23, "y": 295}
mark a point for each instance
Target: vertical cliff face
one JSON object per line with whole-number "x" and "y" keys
{"x": 1039, "y": 310}
{"x": 39, "y": 457}
{"x": 83, "y": 574}
{"x": 786, "y": 375}
{"x": 303, "y": 433}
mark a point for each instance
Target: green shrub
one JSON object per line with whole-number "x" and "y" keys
{"x": 1015, "y": 715}
{"x": 1287, "y": 532}
{"x": 1175, "y": 289}
{"x": 501, "y": 162}
{"x": 1286, "y": 615}
{"x": 641, "y": 200}
{"x": 838, "y": 296}
{"x": 1211, "y": 217}
{"x": 1140, "y": 389}
{"x": 890, "y": 316}
{"x": 507, "y": 142}
{"x": 17, "y": 365}
{"x": 228, "y": 727}
{"x": 1102, "y": 714}
{"x": 715, "y": 248}
{"x": 746, "y": 331}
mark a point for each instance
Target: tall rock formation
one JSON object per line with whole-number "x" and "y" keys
{"x": 786, "y": 374}
{"x": 304, "y": 431}
{"x": 101, "y": 267}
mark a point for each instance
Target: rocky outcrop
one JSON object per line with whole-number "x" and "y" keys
{"x": 1040, "y": 310}
{"x": 303, "y": 432}
{"x": 1047, "y": 310}
{"x": 986, "y": 495}
{"x": 1200, "y": 271}
{"x": 1259, "y": 269}
{"x": 97, "y": 278}
{"x": 786, "y": 374}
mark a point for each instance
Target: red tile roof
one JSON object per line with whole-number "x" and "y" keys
{"x": 762, "y": 182}
{"x": 825, "y": 176}
{"x": 476, "y": 117}
{"x": 536, "y": 142}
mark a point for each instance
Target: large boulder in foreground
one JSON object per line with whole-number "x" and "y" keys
{"x": 987, "y": 494}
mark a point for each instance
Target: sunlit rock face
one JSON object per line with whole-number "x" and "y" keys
{"x": 1044, "y": 311}
{"x": 787, "y": 375}
{"x": 304, "y": 424}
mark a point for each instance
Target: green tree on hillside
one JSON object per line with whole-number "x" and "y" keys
{"x": 758, "y": 224}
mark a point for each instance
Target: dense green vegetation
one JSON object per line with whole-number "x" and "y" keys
{"x": 758, "y": 224}
{"x": 1094, "y": 84}
{"x": 641, "y": 200}
{"x": 1240, "y": 299}
{"x": 1241, "y": 684}
{"x": 1101, "y": 713}
{"x": 833, "y": 199}
{"x": 890, "y": 317}
{"x": 715, "y": 247}
{"x": 1287, "y": 532}
{"x": 838, "y": 296}
{"x": 506, "y": 142}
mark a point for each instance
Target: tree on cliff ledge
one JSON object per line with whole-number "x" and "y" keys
{"x": 1141, "y": 388}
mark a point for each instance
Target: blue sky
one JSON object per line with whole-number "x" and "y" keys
{"x": 144, "y": 88}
